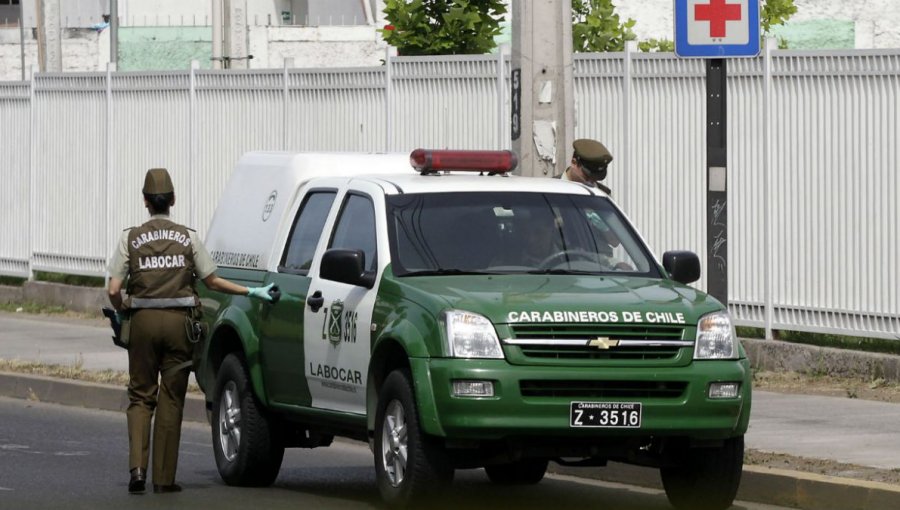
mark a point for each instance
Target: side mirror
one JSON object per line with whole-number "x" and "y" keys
{"x": 346, "y": 266}
{"x": 683, "y": 266}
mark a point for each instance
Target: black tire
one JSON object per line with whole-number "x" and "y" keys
{"x": 426, "y": 471}
{"x": 522, "y": 472}
{"x": 245, "y": 441}
{"x": 708, "y": 479}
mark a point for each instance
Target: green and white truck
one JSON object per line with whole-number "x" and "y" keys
{"x": 455, "y": 316}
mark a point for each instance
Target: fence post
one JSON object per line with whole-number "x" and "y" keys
{"x": 388, "y": 98}
{"x": 31, "y": 184}
{"x": 624, "y": 172}
{"x": 107, "y": 213}
{"x": 288, "y": 62}
{"x": 768, "y": 242}
{"x": 192, "y": 141}
{"x": 501, "y": 95}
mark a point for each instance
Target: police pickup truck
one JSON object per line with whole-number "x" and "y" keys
{"x": 455, "y": 316}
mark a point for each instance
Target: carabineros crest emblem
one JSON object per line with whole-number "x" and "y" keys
{"x": 334, "y": 322}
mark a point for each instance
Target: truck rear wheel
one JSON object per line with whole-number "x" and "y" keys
{"x": 247, "y": 450}
{"x": 409, "y": 466}
{"x": 708, "y": 478}
{"x": 522, "y": 472}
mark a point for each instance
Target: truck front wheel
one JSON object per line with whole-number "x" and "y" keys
{"x": 409, "y": 465}
{"x": 247, "y": 450}
{"x": 707, "y": 479}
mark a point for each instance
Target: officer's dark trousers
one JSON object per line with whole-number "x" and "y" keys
{"x": 158, "y": 342}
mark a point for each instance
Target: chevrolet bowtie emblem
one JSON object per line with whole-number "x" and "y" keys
{"x": 603, "y": 343}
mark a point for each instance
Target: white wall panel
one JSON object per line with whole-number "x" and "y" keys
{"x": 15, "y": 136}
{"x": 69, "y": 160}
{"x": 150, "y": 119}
{"x": 445, "y": 102}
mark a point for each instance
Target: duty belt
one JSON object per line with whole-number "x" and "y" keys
{"x": 188, "y": 302}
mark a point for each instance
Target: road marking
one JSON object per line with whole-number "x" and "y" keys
{"x": 72, "y": 454}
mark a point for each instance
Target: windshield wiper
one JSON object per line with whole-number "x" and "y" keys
{"x": 561, "y": 271}
{"x": 444, "y": 271}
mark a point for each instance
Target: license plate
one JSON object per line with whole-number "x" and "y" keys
{"x": 616, "y": 415}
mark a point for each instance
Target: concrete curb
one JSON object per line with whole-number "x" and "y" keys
{"x": 759, "y": 484}
{"x": 83, "y": 394}
{"x": 71, "y": 297}
{"x": 779, "y": 356}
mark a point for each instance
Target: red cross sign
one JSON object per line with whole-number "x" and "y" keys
{"x": 717, "y": 12}
{"x": 716, "y": 28}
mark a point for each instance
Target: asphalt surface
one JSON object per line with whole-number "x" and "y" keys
{"x": 55, "y": 456}
{"x": 839, "y": 429}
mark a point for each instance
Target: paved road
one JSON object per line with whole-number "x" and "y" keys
{"x": 848, "y": 430}
{"x": 840, "y": 429}
{"x": 63, "y": 457}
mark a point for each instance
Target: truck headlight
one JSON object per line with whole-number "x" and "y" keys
{"x": 716, "y": 338}
{"x": 469, "y": 335}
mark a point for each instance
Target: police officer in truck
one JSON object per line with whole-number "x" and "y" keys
{"x": 589, "y": 165}
{"x": 161, "y": 262}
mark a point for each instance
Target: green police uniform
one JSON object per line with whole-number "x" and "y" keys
{"x": 162, "y": 261}
{"x": 594, "y": 158}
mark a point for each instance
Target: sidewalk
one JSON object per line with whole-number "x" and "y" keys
{"x": 845, "y": 430}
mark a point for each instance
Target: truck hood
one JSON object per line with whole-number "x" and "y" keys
{"x": 506, "y": 299}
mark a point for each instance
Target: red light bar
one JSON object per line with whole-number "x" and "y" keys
{"x": 430, "y": 161}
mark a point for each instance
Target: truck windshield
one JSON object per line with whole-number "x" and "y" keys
{"x": 501, "y": 233}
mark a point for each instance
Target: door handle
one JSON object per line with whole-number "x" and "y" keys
{"x": 315, "y": 301}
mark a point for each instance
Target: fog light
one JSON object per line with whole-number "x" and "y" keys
{"x": 473, "y": 388}
{"x": 724, "y": 389}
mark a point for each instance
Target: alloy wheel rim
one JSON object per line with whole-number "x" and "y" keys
{"x": 394, "y": 443}
{"x": 229, "y": 421}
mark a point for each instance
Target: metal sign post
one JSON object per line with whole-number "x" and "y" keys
{"x": 716, "y": 178}
{"x": 717, "y": 30}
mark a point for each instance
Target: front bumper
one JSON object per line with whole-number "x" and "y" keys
{"x": 509, "y": 413}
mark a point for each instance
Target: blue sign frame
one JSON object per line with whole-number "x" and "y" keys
{"x": 684, "y": 49}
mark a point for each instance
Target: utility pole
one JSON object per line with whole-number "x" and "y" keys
{"x": 49, "y": 36}
{"x": 217, "y": 34}
{"x": 114, "y": 33}
{"x": 542, "y": 100}
{"x": 22, "y": 38}
{"x": 236, "y": 53}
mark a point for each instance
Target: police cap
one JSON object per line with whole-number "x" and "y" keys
{"x": 592, "y": 155}
{"x": 158, "y": 182}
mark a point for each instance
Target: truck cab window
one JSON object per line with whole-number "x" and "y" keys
{"x": 306, "y": 231}
{"x": 355, "y": 228}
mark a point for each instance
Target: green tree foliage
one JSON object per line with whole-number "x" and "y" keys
{"x": 596, "y": 27}
{"x": 658, "y": 45}
{"x": 775, "y": 12}
{"x": 442, "y": 27}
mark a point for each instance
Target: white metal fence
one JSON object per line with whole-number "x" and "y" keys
{"x": 814, "y": 233}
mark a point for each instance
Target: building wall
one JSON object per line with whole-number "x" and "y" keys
{"x": 84, "y": 13}
{"x": 168, "y": 48}
{"x": 83, "y": 50}
{"x": 164, "y": 48}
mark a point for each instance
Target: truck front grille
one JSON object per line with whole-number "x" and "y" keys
{"x": 573, "y": 341}
{"x": 603, "y": 389}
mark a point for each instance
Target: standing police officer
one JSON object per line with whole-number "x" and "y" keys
{"x": 590, "y": 160}
{"x": 162, "y": 261}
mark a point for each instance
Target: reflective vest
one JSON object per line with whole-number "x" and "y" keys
{"x": 161, "y": 266}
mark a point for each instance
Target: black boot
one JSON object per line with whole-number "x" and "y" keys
{"x": 138, "y": 480}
